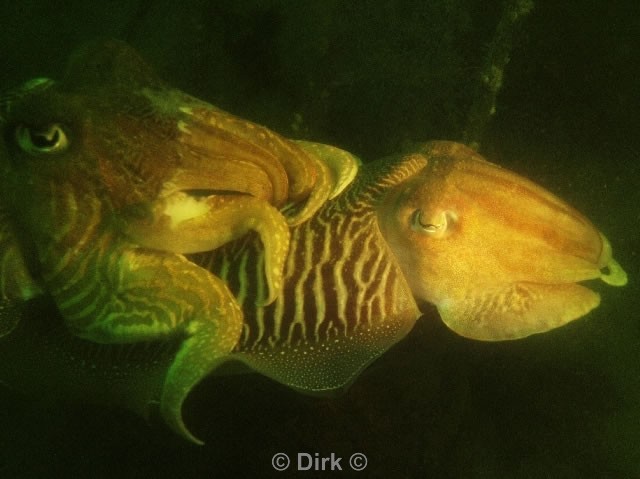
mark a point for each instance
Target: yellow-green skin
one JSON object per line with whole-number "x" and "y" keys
{"x": 110, "y": 176}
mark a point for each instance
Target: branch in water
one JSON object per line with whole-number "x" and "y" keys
{"x": 491, "y": 75}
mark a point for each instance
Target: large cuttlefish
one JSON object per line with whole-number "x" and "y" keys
{"x": 110, "y": 176}
{"x": 116, "y": 207}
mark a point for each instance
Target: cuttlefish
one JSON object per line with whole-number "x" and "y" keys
{"x": 499, "y": 257}
{"x": 168, "y": 168}
{"x": 110, "y": 176}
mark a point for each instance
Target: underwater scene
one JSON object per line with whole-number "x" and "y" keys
{"x": 311, "y": 238}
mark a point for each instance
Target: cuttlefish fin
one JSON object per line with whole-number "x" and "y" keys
{"x": 517, "y": 310}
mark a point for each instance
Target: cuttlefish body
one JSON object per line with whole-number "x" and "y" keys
{"x": 110, "y": 177}
{"x": 499, "y": 256}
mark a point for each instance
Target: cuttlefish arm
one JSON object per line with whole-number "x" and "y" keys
{"x": 210, "y": 146}
{"x": 299, "y": 176}
{"x": 499, "y": 256}
{"x": 185, "y": 224}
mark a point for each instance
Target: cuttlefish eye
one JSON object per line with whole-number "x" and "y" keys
{"x": 437, "y": 225}
{"x": 37, "y": 140}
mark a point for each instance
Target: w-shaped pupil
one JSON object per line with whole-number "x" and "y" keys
{"x": 45, "y": 139}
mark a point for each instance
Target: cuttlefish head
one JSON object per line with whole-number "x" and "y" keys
{"x": 499, "y": 256}
{"x": 113, "y": 134}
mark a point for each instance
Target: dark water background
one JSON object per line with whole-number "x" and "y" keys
{"x": 372, "y": 78}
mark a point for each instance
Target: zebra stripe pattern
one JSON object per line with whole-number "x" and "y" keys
{"x": 339, "y": 277}
{"x": 110, "y": 291}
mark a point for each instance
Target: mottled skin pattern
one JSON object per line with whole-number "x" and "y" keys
{"x": 110, "y": 176}
{"x": 119, "y": 193}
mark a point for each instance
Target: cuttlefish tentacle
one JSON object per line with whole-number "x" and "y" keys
{"x": 184, "y": 224}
